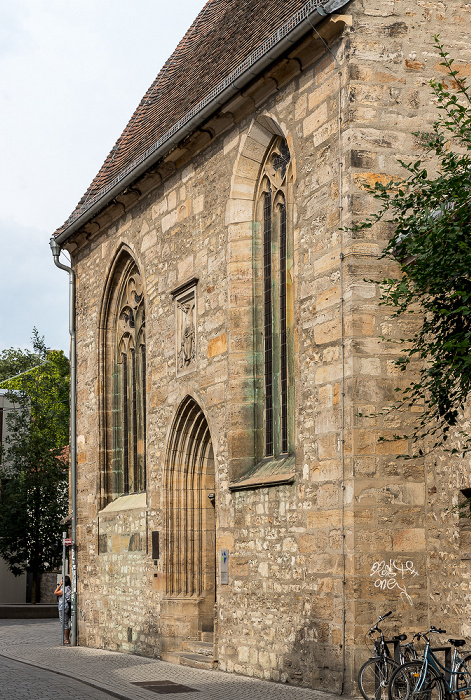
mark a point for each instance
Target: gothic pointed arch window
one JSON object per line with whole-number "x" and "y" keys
{"x": 274, "y": 304}
{"x": 125, "y": 382}
{"x": 130, "y": 356}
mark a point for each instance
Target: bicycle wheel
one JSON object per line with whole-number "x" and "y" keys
{"x": 373, "y": 678}
{"x": 463, "y": 677}
{"x": 407, "y": 683}
{"x": 407, "y": 653}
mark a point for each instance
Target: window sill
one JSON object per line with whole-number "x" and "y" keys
{"x": 133, "y": 501}
{"x": 268, "y": 472}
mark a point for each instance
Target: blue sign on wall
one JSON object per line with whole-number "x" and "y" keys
{"x": 224, "y": 566}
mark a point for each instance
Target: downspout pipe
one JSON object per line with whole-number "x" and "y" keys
{"x": 56, "y": 251}
{"x": 189, "y": 124}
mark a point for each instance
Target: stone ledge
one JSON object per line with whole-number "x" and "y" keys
{"x": 133, "y": 501}
{"x": 268, "y": 472}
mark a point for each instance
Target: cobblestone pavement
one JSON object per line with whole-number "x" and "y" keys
{"x": 37, "y": 643}
{"x": 21, "y": 682}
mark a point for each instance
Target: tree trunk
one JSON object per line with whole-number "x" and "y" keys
{"x": 35, "y": 592}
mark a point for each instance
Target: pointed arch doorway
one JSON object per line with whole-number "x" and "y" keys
{"x": 190, "y": 530}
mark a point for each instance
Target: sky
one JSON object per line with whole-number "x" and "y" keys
{"x": 72, "y": 73}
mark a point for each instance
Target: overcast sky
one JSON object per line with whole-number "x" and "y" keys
{"x": 71, "y": 74}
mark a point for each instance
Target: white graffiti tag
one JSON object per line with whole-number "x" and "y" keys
{"x": 391, "y": 575}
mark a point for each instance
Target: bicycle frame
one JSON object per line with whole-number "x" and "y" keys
{"x": 448, "y": 675}
{"x": 384, "y": 662}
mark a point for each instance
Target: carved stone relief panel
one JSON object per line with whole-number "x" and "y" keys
{"x": 185, "y": 327}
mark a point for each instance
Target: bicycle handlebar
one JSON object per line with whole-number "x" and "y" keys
{"x": 432, "y": 629}
{"x": 375, "y": 626}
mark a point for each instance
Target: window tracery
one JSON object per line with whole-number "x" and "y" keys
{"x": 275, "y": 299}
{"x": 130, "y": 359}
{"x": 124, "y": 382}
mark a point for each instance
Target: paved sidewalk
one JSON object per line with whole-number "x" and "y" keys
{"x": 22, "y": 682}
{"x": 36, "y": 642}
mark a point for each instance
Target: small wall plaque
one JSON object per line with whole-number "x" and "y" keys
{"x": 224, "y": 566}
{"x": 185, "y": 326}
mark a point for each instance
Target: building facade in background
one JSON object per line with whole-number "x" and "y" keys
{"x": 234, "y": 503}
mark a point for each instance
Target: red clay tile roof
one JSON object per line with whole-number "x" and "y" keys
{"x": 225, "y": 33}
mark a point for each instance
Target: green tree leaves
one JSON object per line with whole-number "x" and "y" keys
{"x": 34, "y": 469}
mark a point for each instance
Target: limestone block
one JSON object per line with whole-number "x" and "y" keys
{"x": 325, "y": 132}
{"x": 370, "y": 366}
{"x": 216, "y": 394}
{"x": 327, "y": 332}
{"x": 238, "y": 210}
{"x": 327, "y": 470}
{"x": 225, "y": 541}
{"x": 148, "y": 241}
{"x": 198, "y": 204}
{"x": 243, "y": 231}
{"x": 412, "y": 540}
{"x": 169, "y": 220}
{"x": 312, "y": 122}
{"x": 217, "y": 346}
{"x": 323, "y": 519}
{"x": 240, "y": 250}
{"x": 253, "y": 149}
{"x": 300, "y": 107}
{"x": 328, "y": 298}
{"x": 323, "y": 91}
{"x": 172, "y": 199}
{"x": 260, "y": 134}
{"x": 243, "y": 188}
{"x": 184, "y": 210}
{"x": 185, "y": 268}
{"x": 307, "y": 543}
{"x": 327, "y": 262}
{"x": 248, "y": 167}
{"x": 243, "y": 654}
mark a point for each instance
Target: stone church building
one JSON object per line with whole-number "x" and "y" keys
{"x": 235, "y": 507}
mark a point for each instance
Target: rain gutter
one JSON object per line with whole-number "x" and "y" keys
{"x": 56, "y": 250}
{"x": 272, "y": 48}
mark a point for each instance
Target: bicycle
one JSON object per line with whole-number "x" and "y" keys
{"x": 375, "y": 674}
{"x": 428, "y": 679}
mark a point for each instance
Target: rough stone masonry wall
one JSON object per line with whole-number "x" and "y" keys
{"x": 406, "y": 543}
{"x": 281, "y": 617}
{"x": 282, "y": 614}
{"x": 174, "y": 235}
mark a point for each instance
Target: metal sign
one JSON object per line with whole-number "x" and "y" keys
{"x": 224, "y": 566}
{"x": 68, "y": 542}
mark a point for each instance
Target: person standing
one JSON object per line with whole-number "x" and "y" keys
{"x": 63, "y": 603}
